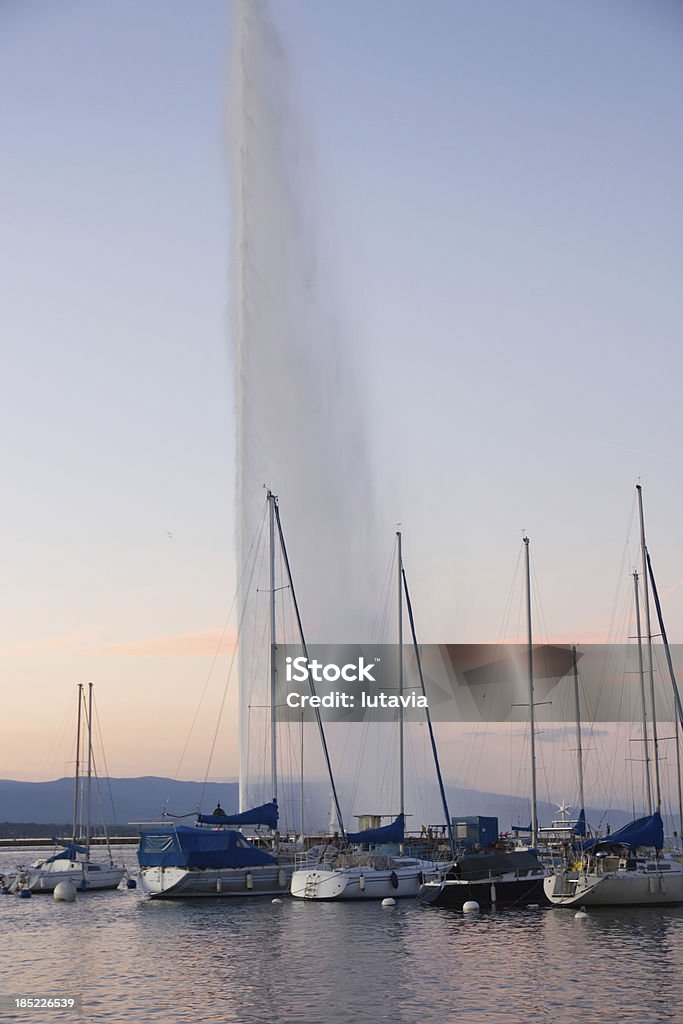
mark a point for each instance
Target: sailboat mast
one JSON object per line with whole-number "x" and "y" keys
{"x": 88, "y": 791}
{"x": 301, "y": 772}
{"x": 273, "y": 670}
{"x": 677, "y": 738}
{"x": 646, "y": 602}
{"x": 579, "y": 747}
{"x": 78, "y": 757}
{"x": 401, "y": 713}
{"x": 439, "y": 776}
{"x": 678, "y": 715}
{"x": 532, "y": 715}
{"x": 646, "y": 740}
{"x": 321, "y": 730}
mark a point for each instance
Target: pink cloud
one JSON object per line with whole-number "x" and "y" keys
{"x": 206, "y": 643}
{"x": 66, "y": 644}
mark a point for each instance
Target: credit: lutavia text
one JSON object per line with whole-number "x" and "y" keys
{"x": 338, "y": 699}
{"x": 300, "y": 670}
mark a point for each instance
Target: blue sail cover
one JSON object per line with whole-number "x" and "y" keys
{"x": 647, "y": 831}
{"x": 186, "y": 847}
{"x": 392, "y": 833}
{"x": 68, "y": 853}
{"x": 266, "y": 814}
{"x": 580, "y": 824}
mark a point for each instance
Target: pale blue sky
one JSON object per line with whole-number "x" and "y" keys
{"x": 496, "y": 190}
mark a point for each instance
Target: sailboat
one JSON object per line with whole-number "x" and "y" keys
{"x": 74, "y": 861}
{"x": 628, "y": 867}
{"x": 497, "y": 878}
{"x": 213, "y": 857}
{"x": 362, "y": 871}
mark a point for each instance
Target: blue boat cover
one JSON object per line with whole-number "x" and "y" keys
{"x": 266, "y": 814}
{"x": 68, "y": 853}
{"x": 392, "y": 833}
{"x": 186, "y": 847}
{"x": 647, "y": 831}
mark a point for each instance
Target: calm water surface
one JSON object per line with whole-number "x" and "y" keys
{"x": 242, "y": 961}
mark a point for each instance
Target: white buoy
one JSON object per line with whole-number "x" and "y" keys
{"x": 276, "y": 900}
{"x": 470, "y": 907}
{"x": 65, "y": 891}
{"x": 580, "y": 915}
{"x": 389, "y": 902}
{"x": 532, "y": 906}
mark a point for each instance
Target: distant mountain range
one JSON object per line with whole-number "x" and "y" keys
{"x": 121, "y": 800}
{"x": 144, "y": 799}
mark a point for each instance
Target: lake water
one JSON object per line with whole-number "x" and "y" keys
{"x": 247, "y": 960}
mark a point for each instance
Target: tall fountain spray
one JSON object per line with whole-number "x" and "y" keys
{"x": 299, "y": 417}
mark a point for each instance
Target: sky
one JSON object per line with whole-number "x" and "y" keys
{"x": 495, "y": 190}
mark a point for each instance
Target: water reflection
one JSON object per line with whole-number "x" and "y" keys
{"x": 248, "y": 960}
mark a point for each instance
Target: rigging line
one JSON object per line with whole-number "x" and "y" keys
{"x": 674, "y": 686}
{"x": 387, "y": 777}
{"x": 538, "y": 606}
{"x": 57, "y": 744}
{"x": 100, "y": 804}
{"x": 302, "y": 788}
{"x": 610, "y": 653}
{"x": 104, "y": 758}
{"x": 289, "y": 734}
{"x": 473, "y": 748}
{"x": 226, "y": 687}
{"x": 383, "y": 601}
{"x": 417, "y": 774}
{"x": 437, "y": 766}
{"x": 514, "y": 589}
{"x": 379, "y": 631}
{"x": 387, "y": 595}
{"x": 484, "y": 722}
{"x": 288, "y": 746}
{"x": 255, "y": 660}
{"x": 221, "y": 708}
{"x": 585, "y": 733}
{"x": 609, "y": 768}
{"x": 260, "y": 644}
{"x": 94, "y": 774}
{"x": 300, "y": 628}
{"x": 257, "y": 533}
{"x": 370, "y": 725}
{"x": 261, "y": 703}
{"x": 523, "y": 782}
{"x": 549, "y": 664}
{"x": 620, "y": 583}
{"x": 247, "y": 788}
{"x": 378, "y": 634}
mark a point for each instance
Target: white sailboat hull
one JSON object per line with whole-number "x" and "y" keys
{"x": 87, "y": 877}
{"x": 357, "y": 883}
{"x": 615, "y": 889}
{"x": 260, "y": 880}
